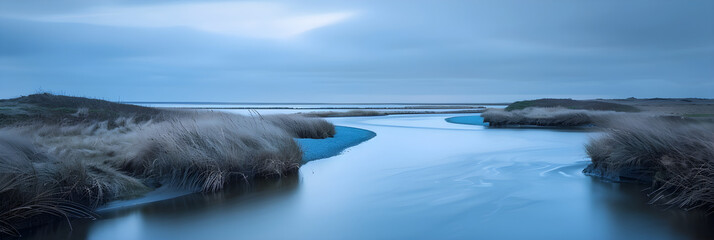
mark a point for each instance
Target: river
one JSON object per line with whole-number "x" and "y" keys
{"x": 419, "y": 178}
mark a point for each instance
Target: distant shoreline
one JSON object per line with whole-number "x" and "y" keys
{"x": 286, "y": 103}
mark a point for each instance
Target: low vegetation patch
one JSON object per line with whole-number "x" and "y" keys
{"x": 50, "y": 108}
{"x": 351, "y": 113}
{"x": 572, "y": 104}
{"x": 535, "y": 116}
{"x": 676, "y": 157}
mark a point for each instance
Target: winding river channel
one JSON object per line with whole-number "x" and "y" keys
{"x": 421, "y": 177}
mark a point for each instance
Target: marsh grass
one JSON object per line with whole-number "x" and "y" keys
{"x": 572, "y": 104}
{"x": 537, "y": 116}
{"x": 31, "y": 187}
{"x": 351, "y": 113}
{"x": 65, "y": 170}
{"x": 205, "y": 154}
{"x": 676, "y": 157}
{"x": 302, "y": 127}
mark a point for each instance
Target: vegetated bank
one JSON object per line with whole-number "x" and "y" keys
{"x": 674, "y": 157}
{"x": 554, "y": 112}
{"x": 667, "y": 144}
{"x": 61, "y": 156}
{"x": 569, "y": 113}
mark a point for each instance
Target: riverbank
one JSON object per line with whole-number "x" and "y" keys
{"x": 675, "y": 158}
{"x": 570, "y": 113}
{"x": 312, "y": 149}
{"x": 64, "y": 156}
{"x": 671, "y": 151}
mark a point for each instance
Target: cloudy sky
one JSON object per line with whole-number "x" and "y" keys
{"x": 357, "y": 51}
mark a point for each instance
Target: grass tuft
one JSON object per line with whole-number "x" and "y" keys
{"x": 675, "y": 156}
{"x": 31, "y": 187}
{"x": 205, "y": 153}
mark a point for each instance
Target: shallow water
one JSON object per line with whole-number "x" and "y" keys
{"x": 419, "y": 178}
{"x": 272, "y": 108}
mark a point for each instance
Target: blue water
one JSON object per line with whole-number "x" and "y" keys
{"x": 345, "y": 137}
{"x": 471, "y": 120}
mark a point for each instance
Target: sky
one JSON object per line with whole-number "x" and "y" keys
{"x": 323, "y": 51}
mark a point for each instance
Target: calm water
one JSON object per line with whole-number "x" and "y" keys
{"x": 419, "y": 178}
{"x": 247, "y": 108}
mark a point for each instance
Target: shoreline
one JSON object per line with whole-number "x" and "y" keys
{"x": 313, "y": 149}
{"x": 474, "y": 120}
{"x": 666, "y": 144}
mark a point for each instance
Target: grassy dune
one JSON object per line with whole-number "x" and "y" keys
{"x": 62, "y": 165}
{"x": 50, "y": 108}
{"x": 675, "y": 157}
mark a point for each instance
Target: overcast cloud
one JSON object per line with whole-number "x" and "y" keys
{"x": 357, "y": 51}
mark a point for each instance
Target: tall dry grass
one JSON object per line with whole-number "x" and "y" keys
{"x": 31, "y": 185}
{"x": 207, "y": 152}
{"x": 675, "y": 156}
{"x": 67, "y": 170}
{"x": 302, "y": 126}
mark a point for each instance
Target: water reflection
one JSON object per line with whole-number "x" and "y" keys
{"x": 628, "y": 207}
{"x": 139, "y": 222}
